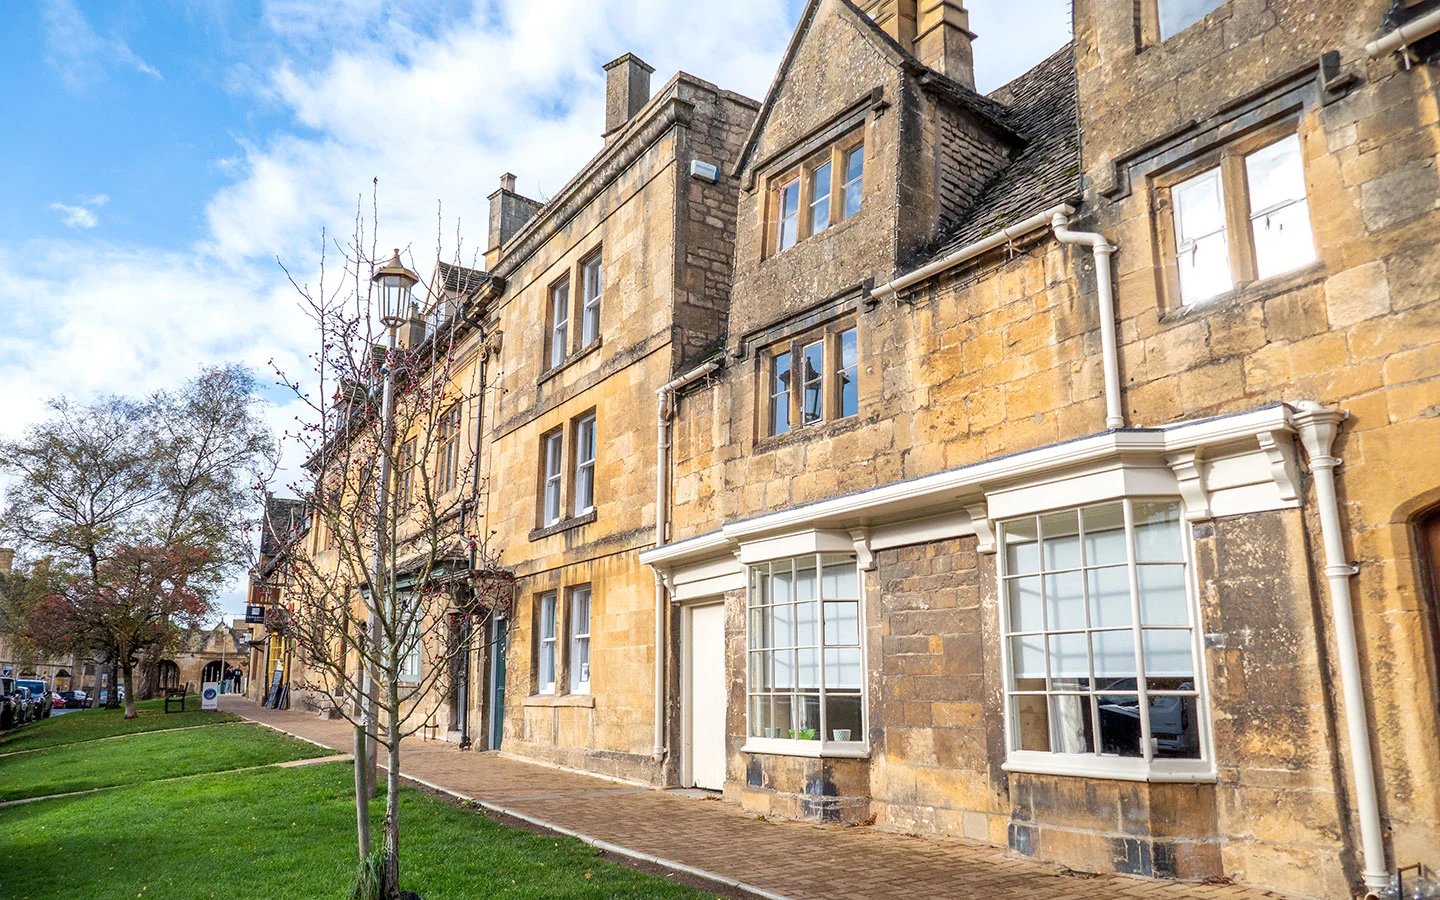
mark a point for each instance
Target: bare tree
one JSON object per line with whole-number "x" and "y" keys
{"x": 395, "y": 578}
{"x": 162, "y": 478}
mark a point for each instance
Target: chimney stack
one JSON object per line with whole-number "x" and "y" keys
{"x": 895, "y": 17}
{"x": 508, "y": 214}
{"x": 627, "y": 90}
{"x": 943, "y": 38}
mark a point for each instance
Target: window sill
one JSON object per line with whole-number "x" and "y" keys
{"x": 584, "y": 518}
{"x": 800, "y": 433}
{"x": 812, "y": 749}
{"x": 1179, "y": 771}
{"x": 574, "y": 357}
{"x": 1311, "y": 273}
{"x": 586, "y": 701}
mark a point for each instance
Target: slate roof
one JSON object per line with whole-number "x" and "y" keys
{"x": 1042, "y": 107}
{"x": 282, "y": 517}
{"x": 460, "y": 279}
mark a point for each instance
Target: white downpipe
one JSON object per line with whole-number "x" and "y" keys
{"x": 1318, "y": 427}
{"x": 1105, "y": 296}
{"x": 665, "y": 398}
{"x": 1058, "y": 219}
{"x": 1405, "y": 35}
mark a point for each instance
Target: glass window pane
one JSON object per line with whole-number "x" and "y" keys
{"x": 1065, "y": 600}
{"x": 759, "y": 584}
{"x": 1162, "y": 595}
{"x": 1030, "y": 721}
{"x": 807, "y": 669}
{"x": 1199, "y": 209}
{"x": 840, "y": 581}
{"x": 760, "y": 679}
{"x": 1073, "y": 728}
{"x": 1204, "y": 268}
{"x": 1069, "y": 656}
{"x": 1177, "y": 15}
{"x": 806, "y": 719}
{"x": 1157, "y": 532}
{"x": 1283, "y": 240}
{"x": 1175, "y": 727}
{"x": 782, "y": 624}
{"x": 842, "y": 717}
{"x": 1119, "y": 725}
{"x": 1104, "y": 535}
{"x": 812, "y": 378}
{"x": 1275, "y": 174}
{"x": 842, "y": 668}
{"x": 1062, "y": 540}
{"x": 783, "y": 667}
{"x": 854, "y": 182}
{"x": 1027, "y": 657}
{"x": 1025, "y": 610}
{"x": 790, "y": 198}
{"x": 807, "y": 628}
{"x": 820, "y": 199}
{"x": 805, "y": 578}
{"x": 842, "y": 623}
{"x": 1022, "y": 551}
{"x": 782, "y": 582}
{"x": 1167, "y": 653}
{"x": 1114, "y": 657}
{"x": 1109, "y": 590}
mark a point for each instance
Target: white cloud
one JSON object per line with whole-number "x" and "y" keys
{"x": 435, "y": 99}
{"x": 79, "y": 55}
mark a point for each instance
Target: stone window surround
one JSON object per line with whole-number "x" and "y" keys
{"x": 560, "y": 693}
{"x": 568, "y": 432}
{"x": 1229, "y": 158}
{"x": 795, "y": 343}
{"x": 1147, "y": 25}
{"x": 1220, "y": 466}
{"x": 833, "y": 151}
{"x": 574, "y": 281}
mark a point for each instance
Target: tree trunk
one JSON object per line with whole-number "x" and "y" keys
{"x": 392, "y": 796}
{"x": 129, "y": 674}
{"x": 362, "y": 795}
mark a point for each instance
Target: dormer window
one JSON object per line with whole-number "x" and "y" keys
{"x": 820, "y": 192}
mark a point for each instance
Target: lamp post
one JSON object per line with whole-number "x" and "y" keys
{"x": 394, "y": 282}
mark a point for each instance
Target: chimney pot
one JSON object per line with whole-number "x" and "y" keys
{"x": 627, "y": 90}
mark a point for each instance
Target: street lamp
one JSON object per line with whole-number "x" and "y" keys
{"x": 394, "y": 282}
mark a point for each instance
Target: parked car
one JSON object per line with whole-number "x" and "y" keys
{"x": 39, "y": 695}
{"x": 77, "y": 700}
{"x": 9, "y": 703}
{"x": 28, "y": 706}
{"x": 57, "y": 700}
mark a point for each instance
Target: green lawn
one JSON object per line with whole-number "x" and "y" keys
{"x": 89, "y": 724}
{"x": 285, "y": 834}
{"x": 146, "y": 757}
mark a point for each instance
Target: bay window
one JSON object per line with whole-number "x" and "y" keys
{"x": 1099, "y": 640}
{"x": 805, "y": 665}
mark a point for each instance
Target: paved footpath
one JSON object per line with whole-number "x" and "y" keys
{"x": 778, "y": 860}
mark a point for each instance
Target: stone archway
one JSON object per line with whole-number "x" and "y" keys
{"x": 167, "y": 674}
{"x": 213, "y": 670}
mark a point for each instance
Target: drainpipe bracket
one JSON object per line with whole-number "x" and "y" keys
{"x": 1343, "y": 569}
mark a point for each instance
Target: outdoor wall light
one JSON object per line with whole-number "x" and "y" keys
{"x": 395, "y": 282}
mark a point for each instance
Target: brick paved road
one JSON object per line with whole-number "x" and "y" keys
{"x": 786, "y": 859}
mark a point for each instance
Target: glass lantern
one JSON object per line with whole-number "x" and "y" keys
{"x": 394, "y": 282}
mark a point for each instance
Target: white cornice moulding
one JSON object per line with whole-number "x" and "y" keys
{"x": 1243, "y": 462}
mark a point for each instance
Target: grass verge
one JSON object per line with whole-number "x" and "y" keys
{"x": 283, "y": 834}
{"x": 146, "y": 757}
{"x": 89, "y": 724}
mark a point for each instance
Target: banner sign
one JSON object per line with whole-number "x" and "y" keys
{"x": 210, "y": 695}
{"x": 254, "y": 615}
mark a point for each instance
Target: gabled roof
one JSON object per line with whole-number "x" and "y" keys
{"x": 988, "y": 111}
{"x": 460, "y": 279}
{"x": 1043, "y": 105}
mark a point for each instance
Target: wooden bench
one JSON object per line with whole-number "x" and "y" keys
{"x": 177, "y": 695}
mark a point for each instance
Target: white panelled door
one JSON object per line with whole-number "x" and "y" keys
{"x": 705, "y": 698}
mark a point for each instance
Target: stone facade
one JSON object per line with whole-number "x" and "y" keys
{"x": 981, "y": 395}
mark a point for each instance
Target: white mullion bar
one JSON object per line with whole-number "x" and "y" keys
{"x": 1005, "y": 666}
{"x": 1134, "y": 571}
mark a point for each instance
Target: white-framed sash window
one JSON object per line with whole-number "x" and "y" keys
{"x": 1100, "y": 651}
{"x": 545, "y": 656}
{"x": 585, "y": 465}
{"x": 559, "y": 322}
{"x": 591, "y": 284}
{"x": 554, "y": 459}
{"x": 580, "y": 640}
{"x": 805, "y": 666}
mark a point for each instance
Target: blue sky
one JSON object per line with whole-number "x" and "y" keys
{"x": 159, "y": 155}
